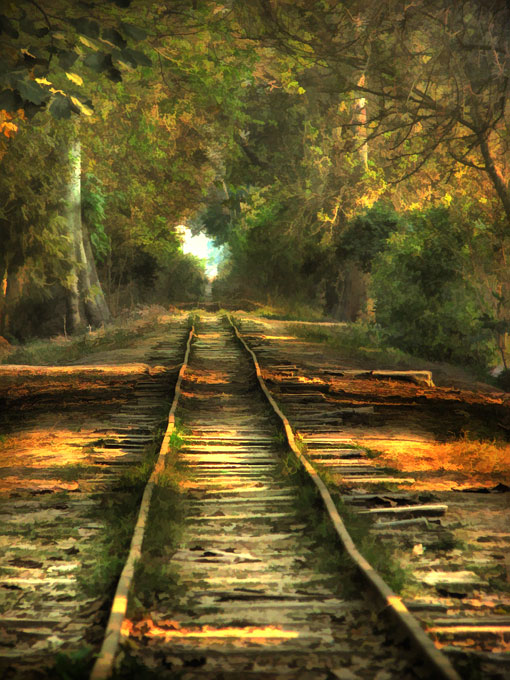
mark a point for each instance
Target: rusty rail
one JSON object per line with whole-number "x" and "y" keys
{"x": 392, "y": 604}
{"x": 103, "y": 666}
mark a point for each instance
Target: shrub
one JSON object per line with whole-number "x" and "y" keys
{"x": 424, "y": 297}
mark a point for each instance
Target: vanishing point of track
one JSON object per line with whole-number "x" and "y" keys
{"x": 253, "y": 600}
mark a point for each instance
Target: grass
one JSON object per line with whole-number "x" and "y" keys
{"x": 360, "y": 341}
{"x": 155, "y": 579}
{"x": 123, "y": 333}
{"x": 310, "y": 508}
{"x": 289, "y": 312}
{"x": 475, "y": 459}
{"x": 118, "y": 510}
{"x": 72, "y": 666}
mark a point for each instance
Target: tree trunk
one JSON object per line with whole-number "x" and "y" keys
{"x": 360, "y": 118}
{"x": 352, "y": 295}
{"x": 3, "y": 301}
{"x": 85, "y": 299}
{"x": 75, "y": 318}
{"x": 96, "y": 308}
{"x": 12, "y": 287}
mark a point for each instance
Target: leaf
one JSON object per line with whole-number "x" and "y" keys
{"x": 113, "y": 37}
{"x": 60, "y": 107}
{"x": 29, "y": 27}
{"x": 32, "y": 92}
{"x": 66, "y": 59}
{"x": 98, "y": 61}
{"x": 10, "y": 100}
{"x": 75, "y": 78}
{"x": 30, "y": 110}
{"x": 86, "y": 27}
{"x": 86, "y": 101}
{"x": 114, "y": 75}
{"x": 89, "y": 44}
{"x": 82, "y": 108}
{"x": 135, "y": 58}
{"x": 133, "y": 32}
{"x": 7, "y": 28}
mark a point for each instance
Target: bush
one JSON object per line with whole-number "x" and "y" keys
{"x": 424, "y": 297}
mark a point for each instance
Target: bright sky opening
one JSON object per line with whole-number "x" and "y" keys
{"x": 202, "y": 247}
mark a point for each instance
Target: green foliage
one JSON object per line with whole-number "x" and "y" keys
{"x": 256, "y": 122}
{"x": 74, "y": 666}
{"x": 262, "y": 264}
{"x": 93, "y": 206}
{"x": 32, "y": 233}
{"x": 46, "y": 48}
{"x": 366, "y": 234}
{"x": 424, "y": 297}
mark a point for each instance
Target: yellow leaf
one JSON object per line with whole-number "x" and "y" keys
{"x": 83, "y": 108}
{"x": 54, "y": 91}
{"x": 301, "y": 90}
{"x": 87, "y": 43}
{"x": 75, "y": 78}
{"x": 42, "y": 81}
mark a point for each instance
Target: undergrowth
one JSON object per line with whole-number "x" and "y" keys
{"x": 117, "y": 509}
{"x": 359, "y": 341}
{"x": 289, "y": 312}
{"x": 61, "y": 349}
{"x": 155, "y": 579}
{"x": 310, "y": 507}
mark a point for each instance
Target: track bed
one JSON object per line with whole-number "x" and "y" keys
{"x": 253, "y": 599}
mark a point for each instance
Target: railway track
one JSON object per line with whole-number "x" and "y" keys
{"x": 247, "y": 594}
{"x": 456, "y": 598}
{"x": 68, "y": 463}
{"x": 245, "y": 590}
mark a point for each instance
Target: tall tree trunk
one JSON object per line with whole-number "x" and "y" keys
{"x": 86, "y": 303}
{"x": 75, "y": 318}
{"x": 353, "y": 293}
{"x": 96, "y": 308}
{"x": 12, "y": 288}
{"x": 360, "y": 118}
{"x": 4, "y": 287}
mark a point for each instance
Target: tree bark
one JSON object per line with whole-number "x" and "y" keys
{"x": 4, "y": 287}
{"x": 74, "y": 316}
{"x": 96, "y": 308}
{"x": 86, "y": 303}
{"x": 496, "y": 179}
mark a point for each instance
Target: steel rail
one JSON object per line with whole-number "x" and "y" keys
{"x": 103, "y": 665}
{"x": 393, "y": 606}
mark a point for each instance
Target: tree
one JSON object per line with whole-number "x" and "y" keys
{"x": 425, "y": 293}
{"x": 84, "y": 295}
